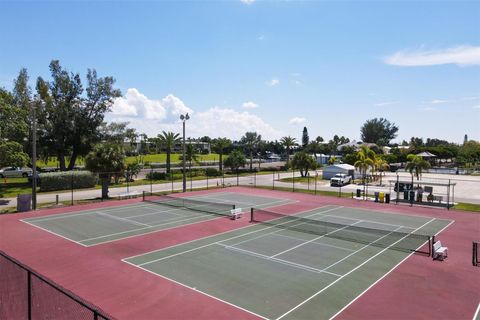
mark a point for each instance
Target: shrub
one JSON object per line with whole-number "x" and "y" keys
{"x": 53, "y": 181}
{"x": 154, "y": 175}
{"x": 212, "y": 172}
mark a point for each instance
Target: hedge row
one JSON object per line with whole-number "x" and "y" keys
{"x": 53, "y": 181}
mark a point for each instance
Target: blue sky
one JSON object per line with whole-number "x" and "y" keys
{"x": 266, "y": 66}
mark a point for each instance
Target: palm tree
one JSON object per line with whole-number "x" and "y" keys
{"x": 416, "y": 165}
{"x": 365, "y": 160}
{"x": 168, "y": 140}
{"x": 302, "y": 161}
{"x": 219, "y": 146}
{"x": 288, "y": 142}
{"x": 381, "y": 165}
{"x": 250, "y": 141}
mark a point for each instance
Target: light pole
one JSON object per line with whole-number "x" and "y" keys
{"x": 34, "y": 156}
{"x": 184, "y": 118}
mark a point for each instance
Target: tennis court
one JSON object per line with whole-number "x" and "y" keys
{"x": 307, "y": 266}
{"x": 157, "y": 212}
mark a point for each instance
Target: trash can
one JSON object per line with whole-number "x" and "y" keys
{"x": 381, "y": 197}
{"x": 376, "y": 196}
{"x": 405, "y": 195}
{"x": 24, "y": 202}
{"x": 412, "y": 196}
{"x": 387, "y": 197}
{"x": 359, "y": 193}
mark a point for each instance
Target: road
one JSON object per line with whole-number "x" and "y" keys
{"x": 467, "y": 188}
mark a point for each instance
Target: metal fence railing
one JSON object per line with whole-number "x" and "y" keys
{"x": 25, "y": 294}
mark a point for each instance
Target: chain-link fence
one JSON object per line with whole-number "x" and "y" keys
{"x": 25, "y": 294}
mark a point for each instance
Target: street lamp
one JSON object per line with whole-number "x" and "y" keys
{"x": 184, "y": 118}
{"x": 34, "y": 156}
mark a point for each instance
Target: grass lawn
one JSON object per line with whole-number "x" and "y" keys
{"x": 302, "y": 179}
{"x": 156, "y": 158}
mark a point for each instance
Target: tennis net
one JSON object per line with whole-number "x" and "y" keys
{"x": 403, "y": 241}
{"x": 221, "y": 209}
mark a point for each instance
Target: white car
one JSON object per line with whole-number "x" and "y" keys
{"x": 340, "y": 179}
{"x": 14, "y": 172}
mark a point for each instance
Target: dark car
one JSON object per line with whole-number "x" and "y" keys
{"x": 401, "y": 187}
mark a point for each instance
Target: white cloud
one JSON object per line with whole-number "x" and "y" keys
{"x": 428, "y": 109}
{"x": 297, "y": 120}
{"x": 250, "y": 105}
{"x": 387, "y": 103}
{"x": 152, "y": 116}
{"x": 476, "y": 107}
{"x": 273, "y": 82}
{"x": 248, "y": 1}
{"x": 261, "y": 37}
{"x": 135, "y": 104}
{"x": 224, "y": 122}
{"x": 438, "y": 101}
{"x": 461, "y": 55}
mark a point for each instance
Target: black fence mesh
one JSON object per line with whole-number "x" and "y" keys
{"x": 25, "y": 294}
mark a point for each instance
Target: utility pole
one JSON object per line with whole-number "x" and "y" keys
{"x": 34, "y": 157}
{"x": 184, "y": 118}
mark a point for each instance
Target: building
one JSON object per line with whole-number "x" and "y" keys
{"x": 330, "y": 171}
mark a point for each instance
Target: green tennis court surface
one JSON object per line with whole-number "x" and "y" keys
{"x": 98, "y": 226}
{"x": 286, "y": 268}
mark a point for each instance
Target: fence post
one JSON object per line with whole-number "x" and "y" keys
{"x": 29, "y": 294}
{"x": 151, "y": 182}
{"x": 255, "y": 179}
{"x": 293, "y": 180}
{"x": 273, "y": 181}
{"x": 316, "y": 178}
{"x": 207, "y": 182}
{"x": 398, "y": 189}
{"x": 190, "y": 170}
{"x": 237, "y": 177}
{"x": 71, "y": 185}
{"x": 308, "y": 181}
{"x": 171, "y": 178}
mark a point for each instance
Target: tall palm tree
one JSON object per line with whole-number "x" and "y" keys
{"x": 416, "y": 165}
{"x": 365, "y": 160}
{"x": 251, "y": 141}
{"x": 288, "y": 142}
{"x": 381, "y": 165}
{"x": 168, "y": 141}
{"x": 219, "y": 146}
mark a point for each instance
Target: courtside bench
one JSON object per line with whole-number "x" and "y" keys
{"x": 236, "y": 213}
{"x": 439, "y": 252}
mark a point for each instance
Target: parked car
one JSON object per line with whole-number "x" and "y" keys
{"x": 401, "y": 187}
{"x": 340, "y": 179}
{"x": 14, "y": 172}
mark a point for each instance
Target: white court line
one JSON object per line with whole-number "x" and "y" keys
{"x": 196, "y": 290}
{"x": 476, "y": 313}
{"x": 322, "y": 236}
{"x": 373, "y": 284}
{"x": 346, "y": 274}
{"x": 281, "y": 261}
{"x": 372, "y": 221}
{"x": 122, "y": 219}
{"x": 204, "y": 246}
{"x": 72, "y": 214}
{"x": 360, "y": 249}
{"x": 56, "y": 234}
{"x": 294, "y": 225}
{"x": 149, "y": 226}
{"x": 319, "y": 243}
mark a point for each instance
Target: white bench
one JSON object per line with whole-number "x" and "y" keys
{"x": 439, "y": 252}
{"x": 236, "y": 213}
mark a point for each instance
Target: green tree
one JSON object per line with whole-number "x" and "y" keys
{"x": 191, "y": 155}
{"x": 365, "y": 161}
{"x": 168, "y": 141}
{"x": 11, "y": 154}
{"x": 332, "y": 160}
{"x": 379, "y": 131}
{"x": 235, "y": 160}
{"x": 106, "y": 159}
{"x": 416, "y": 165}
{"x": 305, "y": 138}
{"x": 250, "y": 142}
{"x": 70, "y": 118}
{"x": 219, "y": 146}
{"x": 303, "y": 162}
{"x": 469, "y": 153}
{"x": 381, "y": 165}
{"x": 13, "y": 126}
{"x": 288, "y": 142}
